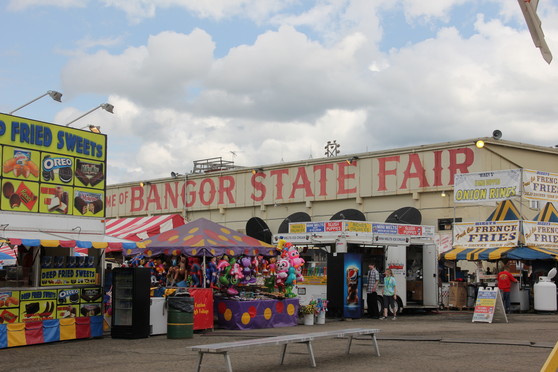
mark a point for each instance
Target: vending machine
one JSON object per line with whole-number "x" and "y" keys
{"x": 344, "y": 285}
{"x": 130, "y": 302}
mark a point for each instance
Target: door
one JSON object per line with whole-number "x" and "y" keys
{"x": 396, "y": 261}
{"x": 430, "y": 275}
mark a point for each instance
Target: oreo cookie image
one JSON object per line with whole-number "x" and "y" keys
{"x": 65, "y": 174}
{"x": 48, "y": 175}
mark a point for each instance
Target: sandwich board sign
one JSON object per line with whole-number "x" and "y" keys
{"x": 489, "y": 306}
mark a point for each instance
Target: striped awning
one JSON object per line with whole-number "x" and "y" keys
{"x": 141, "y": 228}
{"x": 475, "y": 254}
{"x": 67, "y": 240}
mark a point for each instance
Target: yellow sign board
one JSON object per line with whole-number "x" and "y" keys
{"x": 67, "y": 276}
{"x": 53, "y": 169}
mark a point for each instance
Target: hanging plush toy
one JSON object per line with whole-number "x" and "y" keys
{"x": 236, "y": 272}
{"x": 196, "y": 274}
{"x": 291, "y": 277}
{"x": 272, "y": 266}
{"x": 285, "y": 251}
{"x": 294, "y": 258}
{"x": 224, "y": 267}
{"x": 297, "y": 262}
{"x": 247, "y": 271}
{"x": 282, "y": 272}
{"x": 211, "y": 272}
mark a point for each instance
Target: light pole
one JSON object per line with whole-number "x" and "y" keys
{"x": 105, "y": 106}
{"x": 57, "y": 96}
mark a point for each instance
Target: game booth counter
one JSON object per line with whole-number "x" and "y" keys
{"x": 250, "y": 286}
{"x": 53, "y": 292}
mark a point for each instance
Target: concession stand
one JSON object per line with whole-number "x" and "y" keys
{"x": 51, "y": 218}
{"x": 528, "y": 245}
{"x": 236, "y": 306}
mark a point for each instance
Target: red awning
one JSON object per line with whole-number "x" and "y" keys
{"x": 140, "y": 228}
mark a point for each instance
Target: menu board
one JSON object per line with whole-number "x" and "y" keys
{"x": 9, "y": 307}
{"x": 42, "y": 304}
{"x": 489, "y": 302}
{"x": 51, "y": 169}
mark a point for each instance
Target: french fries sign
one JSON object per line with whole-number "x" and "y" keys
{"x": 52, "y": 169}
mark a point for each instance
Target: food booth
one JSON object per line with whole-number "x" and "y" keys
{"x": 528, "y": 246}
{"x": 229, "y": 269}
{"x": 51, "y": 207}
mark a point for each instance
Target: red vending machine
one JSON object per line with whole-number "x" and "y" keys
{"x": 130, "y": 302}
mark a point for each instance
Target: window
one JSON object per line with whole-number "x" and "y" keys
{"x": 447, "y": 223}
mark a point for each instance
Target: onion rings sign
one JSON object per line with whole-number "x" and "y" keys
{"x": 487, "y": 186}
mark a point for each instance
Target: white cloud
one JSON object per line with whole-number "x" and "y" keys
{"x": 21, "y": 5}
{"x": 256, "y": 10}
{"x": 282, "y": 97}
{"x": 155, "y": 74}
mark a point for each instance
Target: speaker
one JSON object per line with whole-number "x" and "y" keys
{"x": 497, "y": 134}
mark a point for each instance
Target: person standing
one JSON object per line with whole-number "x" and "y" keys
{"x": 371, "y": 291}
{"x": 505, "y": 279}
{"x": 389, "y": 294}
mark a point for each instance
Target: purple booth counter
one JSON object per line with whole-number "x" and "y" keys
{"x": 256, "y": 314}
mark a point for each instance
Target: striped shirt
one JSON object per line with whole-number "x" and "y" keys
{"x": 373, "y": 278}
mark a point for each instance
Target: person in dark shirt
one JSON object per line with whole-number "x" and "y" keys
{"x": 371, "y": 291}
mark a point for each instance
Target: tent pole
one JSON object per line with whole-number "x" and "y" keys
{"x": 203, "y": 271}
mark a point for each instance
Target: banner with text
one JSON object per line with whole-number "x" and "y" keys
{"x": 492, "y": 234}
{"x": 51, "y": 169}
{"x": 540, "y": 234}
{"x": 540, "y": 185}
{"x": 487, "y": 186}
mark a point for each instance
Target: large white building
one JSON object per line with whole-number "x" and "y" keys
{"x": 370, "y": 186}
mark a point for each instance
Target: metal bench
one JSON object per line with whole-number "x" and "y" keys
{"x": 306, "y": 338}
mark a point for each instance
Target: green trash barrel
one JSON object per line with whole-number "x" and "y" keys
{"x": 180, "y": 317}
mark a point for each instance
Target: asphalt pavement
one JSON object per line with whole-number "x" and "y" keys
{"x": 443, "y": 341}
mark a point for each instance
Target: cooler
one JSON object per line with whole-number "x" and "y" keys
{"x": 158, "y": 316}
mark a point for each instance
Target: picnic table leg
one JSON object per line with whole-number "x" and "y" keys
{"x": 376, "y": 343}
{"x": 349, "y": 344}
{"x": 283, "y": 354}
{"x": 200, "y": 357}
{"x": 311, "y": 353}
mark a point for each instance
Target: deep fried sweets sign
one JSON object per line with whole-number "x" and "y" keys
{"x": 52, "y": 169}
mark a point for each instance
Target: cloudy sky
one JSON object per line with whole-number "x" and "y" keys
{"x": 267, "y": 81}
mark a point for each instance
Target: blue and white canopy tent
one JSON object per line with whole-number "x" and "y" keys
{"x": 507, "y": 211}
